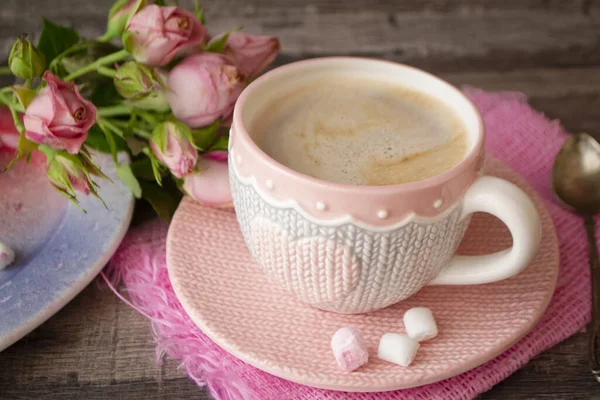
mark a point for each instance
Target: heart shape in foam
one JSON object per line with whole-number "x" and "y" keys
{"x": 297, "y": 264}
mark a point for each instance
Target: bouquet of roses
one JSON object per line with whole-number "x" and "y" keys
{"x": 164, "y": 97}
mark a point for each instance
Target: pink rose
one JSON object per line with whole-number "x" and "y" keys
{"x": 251, "y": 54}
{"x": 58, "y": 116}
{"x": 210, "y": 184}
{"x": 173, "y": 148}
{"x": 158, "y": 34}
{"x": 9, "y": 136}
{"x": 202, "y": 88}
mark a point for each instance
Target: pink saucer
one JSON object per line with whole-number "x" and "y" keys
{"x": 235, "y": 304}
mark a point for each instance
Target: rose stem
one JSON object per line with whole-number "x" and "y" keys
{"x": 107, "y": 71}
{"x": 149, "y": 118}
{"x": 112, "y": 127}
{"x": 109, "y": 59}
{"x": 114, "y": 111}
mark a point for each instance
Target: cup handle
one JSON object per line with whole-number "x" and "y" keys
{"x": 513, "y": 207}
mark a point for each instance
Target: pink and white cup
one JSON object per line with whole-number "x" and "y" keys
{"x": 354, "y": 249}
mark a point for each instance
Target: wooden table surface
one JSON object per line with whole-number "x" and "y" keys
{"x": 98, "y": 348}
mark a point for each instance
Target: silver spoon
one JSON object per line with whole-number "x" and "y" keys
{"x": 576, "y": 181}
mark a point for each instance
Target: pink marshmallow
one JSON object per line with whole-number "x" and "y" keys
{"x": 348, "y": 348}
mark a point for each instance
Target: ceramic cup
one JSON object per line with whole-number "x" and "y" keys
{"x": 354, "y": 249}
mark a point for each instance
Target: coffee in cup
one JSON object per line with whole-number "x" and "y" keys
{"x": 361, "y": 131}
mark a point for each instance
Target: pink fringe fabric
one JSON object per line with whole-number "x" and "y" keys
{"x": 516, "y": 134}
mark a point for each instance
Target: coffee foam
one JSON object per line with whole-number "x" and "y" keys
{"x": 361, "y": 131}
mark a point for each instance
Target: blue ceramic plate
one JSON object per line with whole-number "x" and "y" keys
{"x": 59, "y": 248}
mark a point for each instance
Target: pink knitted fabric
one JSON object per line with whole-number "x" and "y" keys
{"x": 516, "y": 134}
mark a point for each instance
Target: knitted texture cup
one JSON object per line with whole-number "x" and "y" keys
{"x": 354, "y": 249}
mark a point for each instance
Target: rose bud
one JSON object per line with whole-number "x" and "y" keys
{"x": 251, "y": 54}
{"x": 25, "y": 61}
{"x": 155, "y": 35}
{"x": 58, "y": 116}
{"x": 9, "y": 136}
{"x": 155, "y": 97}
{"x": 133, "y": 80}
{"x": 202, "y": 88}
{"x": 71, "y": 173}
{"x": 118, "y": 16}
{"x": 209, "y": 184}
{"x": 172, "y": 145}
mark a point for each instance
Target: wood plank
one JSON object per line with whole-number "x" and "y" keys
{"x": 539, "y": 82}
{"x": 464, "y": 39}
{"x": 440, "y": 6}
{"x": 95, "y": 339}
{"x": 180, "y": 388}
{"x": 569, "y": 95}
{"x": 559, "y": 373}
{"x": 17, "y": 8}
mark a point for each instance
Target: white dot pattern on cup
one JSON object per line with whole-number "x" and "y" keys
{"x": 269, "y": 184}
{"x": 383, "y": 214}
{"x": 438, "y": 203}
{"x": 321, "y": 206}
{"x": 238, "y": 158}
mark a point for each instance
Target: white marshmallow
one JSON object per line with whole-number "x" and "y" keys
{"x": 420, "y": 324}
{"x": 7, "y": 256}
{"x": 397, "y": 349}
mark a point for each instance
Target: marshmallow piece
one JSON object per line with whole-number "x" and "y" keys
{"x": 7, "y": 256}
{"x": 420, "y": 324}
{"x": 397, "y": 349}
{"x": 349, "y": 349}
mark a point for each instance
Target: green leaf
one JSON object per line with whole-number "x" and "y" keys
{"x": 55, "y": 39}
{"x": 155, "y": 165}
{"x": 218, "y": 45}
{"x": 97, "y": 140}
{"x": 24, "y": 146}
{"x": 89, "y": 166}
{"x": 142, "y": 168}
{"x": 157, "y": 170}
{"x": 59, "y": 70}
{"x": 221, "y": 144}
{"x": 160, "y": 3}
{"x": 110, "y": 140}
{"x": 127, "y": 41}
{"x": 129, "y": 179}
{"x": 205, "y": 137}
{"x": 199, "y": 11}
{"x": 159, "y": 136}
{"x": 117, "y": 7}
{"x": 163, "y": 201}
{"x": 105, "y": 94}
{"x": 24, "y": 94}
{"x": 185, "y": 131}
{"x": 79, "y": 49}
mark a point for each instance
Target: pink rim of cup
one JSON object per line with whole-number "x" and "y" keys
{"x": 243, "y": 134}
